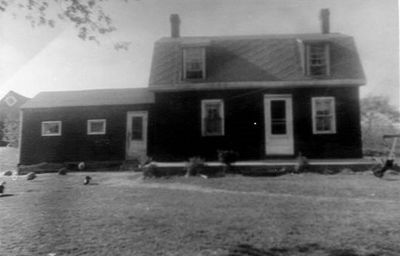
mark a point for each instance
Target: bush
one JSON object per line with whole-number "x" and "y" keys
{"x": 151, "y": 171}
{"x": 195, "y": 166}
{"x": 302, "y": 164}
{"x": 227, "y": 157}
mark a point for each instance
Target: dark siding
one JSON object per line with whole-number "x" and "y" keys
{"x": 176, "y": 122}
{"x": 74, "y": 144}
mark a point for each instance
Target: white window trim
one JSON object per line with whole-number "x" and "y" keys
{"x": 327, "y": 57}
{"x": 89, "y": 132}
{"x": 52, "y": 122}
{"x": 314, "y": 115}
{"x": 203, "y": 113}
{"x": 203, "y": 63}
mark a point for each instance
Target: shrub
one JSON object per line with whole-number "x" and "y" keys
{"x": 227, "y": 157}
{"x": 151, "y": 171}
{"x": 302, "y": 164}
{"x": 195, "y": 166}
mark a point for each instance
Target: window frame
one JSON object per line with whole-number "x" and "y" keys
{"x": 88, "y": 125}
{"x": 203, "y": 115}
{"x": 314, "y": 115}
{"x": 308, "y": 65}
{"x": 203, "y": 64}
{"x": 43, "y": 123}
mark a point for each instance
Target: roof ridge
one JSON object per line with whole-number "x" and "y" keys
{"x": 255, "y": 36}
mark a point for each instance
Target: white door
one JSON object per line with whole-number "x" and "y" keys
{"x": 136, "y": 135}
{"x": 278, "y": 124}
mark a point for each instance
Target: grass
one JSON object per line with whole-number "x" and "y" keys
{"x": 308, "y": 214}
{"x": 8, "y": 158}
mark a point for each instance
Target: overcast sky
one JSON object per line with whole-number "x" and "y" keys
{"x": 45, "y": 59}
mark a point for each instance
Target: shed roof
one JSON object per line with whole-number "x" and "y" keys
{"x": 258, "y": 60}
{"x": 101, "y": 97}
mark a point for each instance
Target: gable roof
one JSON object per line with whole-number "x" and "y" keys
{"x": 90, "y": 98}
{"x": 244, "y": 61}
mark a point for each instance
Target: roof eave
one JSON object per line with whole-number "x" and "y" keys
{"x": 256, "y": 84}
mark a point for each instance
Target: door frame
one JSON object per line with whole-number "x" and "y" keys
{"x": 288, "y": 146}
{"x": 145, "y": 115}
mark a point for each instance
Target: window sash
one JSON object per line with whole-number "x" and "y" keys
{"x": 51, "y": 128}
{"x": 212, "y": 118}
{"x": 194, "y": 63}
{"x": 323, "y": 115}
{"x": 318, "y": 59}
{"x": 90, "y": 126}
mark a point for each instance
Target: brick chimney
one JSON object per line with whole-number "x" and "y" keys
{"x": 324, "y": 16}
{"x": 175, "y": 23}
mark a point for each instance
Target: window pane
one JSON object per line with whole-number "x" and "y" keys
{"x": 97, "y": 126}
{"x": 194, "y": 63}
{"x": 278, "y": 117}
{"x": 213, "y": 119}
{"x": 278, "y": 109}
{"x": 317, "y": 59}
{"x": 137, "y": 128}
{"x": 278, "y": 128}
{"x": 324, "y": 123}
{"x": 51, "y": 128}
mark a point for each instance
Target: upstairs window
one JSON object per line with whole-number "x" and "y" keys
{"x": 194, "y": 63}
{"x": 317, "y": 62}
{"x": 212, "y": 117}
{"x": 51, "y": 128}
{"x": 96, "y": 126}
{"x": 323, "y": 114}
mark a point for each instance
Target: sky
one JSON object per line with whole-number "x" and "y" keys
{"x": 54, "y": 59}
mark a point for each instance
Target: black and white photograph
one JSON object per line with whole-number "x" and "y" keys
{"x": 199, "y": 128}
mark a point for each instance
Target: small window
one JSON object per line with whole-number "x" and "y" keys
{"x": 323, "y": 113}
{"x": 317, "y": 59}
{"x": 212, "y": 113}
{"x": 194, "y": 63}
{"x": 11, "y": 100}
{"x": 96, "y": 126}
{"x": 51, "y": 128}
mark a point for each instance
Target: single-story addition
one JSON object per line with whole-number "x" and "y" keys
{"x": 268, "y": 96}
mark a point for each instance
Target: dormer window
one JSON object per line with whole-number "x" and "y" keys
{"x": 317, "y": 59}
{"x": 194, "y": 63}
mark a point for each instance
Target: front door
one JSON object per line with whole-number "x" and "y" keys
{"x": 278, "y": 124}
{"x": 136, "y": 135}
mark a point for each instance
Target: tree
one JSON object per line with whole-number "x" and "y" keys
{"x": 88, "y": 16}
{"x": 11, "y": 132}
{"x": 378, "y": 117}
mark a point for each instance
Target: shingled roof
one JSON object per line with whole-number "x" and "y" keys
{"x": 245, "y": 61}
{"x": 101, "y": 97}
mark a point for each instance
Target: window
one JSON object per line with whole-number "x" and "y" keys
{"x": 137, "y": 128}
{"x": 278, "y": 117}
{"x": 317, "y": 59}
{"x": 51, "y": 128}
{"x": 194, "y": 63}
{"x": 96, "y": 126}
{"x": 323, "y": 114}
{"x": 212, "y": 117}
{"x": 11, "y": 100}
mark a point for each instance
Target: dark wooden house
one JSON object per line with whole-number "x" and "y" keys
{"x": 268, "y": 96}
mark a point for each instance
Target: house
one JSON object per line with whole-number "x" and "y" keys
{"x": 9, "y": 117}
{"x": 267, "y": 96}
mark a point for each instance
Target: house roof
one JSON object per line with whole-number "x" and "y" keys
{"x": 90, "y": 98}
{"x": 259, "y": 61}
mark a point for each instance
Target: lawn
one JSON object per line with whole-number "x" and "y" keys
{"x": 120, "y": 214}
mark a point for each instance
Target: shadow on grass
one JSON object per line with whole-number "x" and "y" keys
{"x": 6, "y": 195}
{"x": 304, "y": 249}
